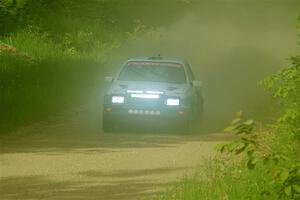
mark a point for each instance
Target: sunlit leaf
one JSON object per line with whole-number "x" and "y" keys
{"x": 249, "y": 122}
{"x": 288, "y": 190}
{"x": 235, "y": 121}
{"x": 284, "y": 176}
{"x": 229, "y": 129}
{"x": 240, "y": 149}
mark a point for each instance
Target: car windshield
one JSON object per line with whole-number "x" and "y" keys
{"x": 153, "y": 72}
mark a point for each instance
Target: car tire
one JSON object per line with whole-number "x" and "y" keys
{"x": 107, "y": 125}
{"x": 187, "y": 126}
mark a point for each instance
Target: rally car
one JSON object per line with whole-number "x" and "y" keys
{"x": 153, "y": 90}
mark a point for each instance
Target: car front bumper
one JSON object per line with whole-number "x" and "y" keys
{"x": 158, "y": 116}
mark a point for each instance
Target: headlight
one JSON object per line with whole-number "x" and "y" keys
{"x": 117, "y": 99}
{"x": 172, "y": 102}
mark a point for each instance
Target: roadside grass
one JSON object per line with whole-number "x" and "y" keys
{"x": 219, "y": 179}
{"x": 36, "y": 45}
{"x": 39, "y": 77}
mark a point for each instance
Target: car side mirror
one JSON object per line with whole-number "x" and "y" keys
{"x": 197, "y": 84}
{"x": 108, "y": 79}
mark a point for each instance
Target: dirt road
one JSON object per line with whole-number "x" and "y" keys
{"x": 68, "y": 157}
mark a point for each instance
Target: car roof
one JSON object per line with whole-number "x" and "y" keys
{"x": 157, "y": 59}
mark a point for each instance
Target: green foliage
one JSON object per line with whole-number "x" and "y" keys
{"x": 246, "y": 142}
{"x": 34, "y": 89}
{"x": 280, "y": 169}
{"x": 285, "y": 87}
{"x": 107, "y": 19}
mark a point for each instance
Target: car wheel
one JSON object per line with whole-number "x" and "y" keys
{"x": 188, "y": 125}
{"x": 107, "y": 125}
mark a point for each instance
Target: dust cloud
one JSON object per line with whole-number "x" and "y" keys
{"x": 231, "y": 46}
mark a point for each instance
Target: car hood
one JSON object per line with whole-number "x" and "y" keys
{"x": 169, "y": 89}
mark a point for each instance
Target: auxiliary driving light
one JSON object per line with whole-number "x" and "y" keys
{"x": 117, "y": 99}
{"x": 154, "y": 92}
{"x": 172, "y": 102}
{"x": 146, "y": 96}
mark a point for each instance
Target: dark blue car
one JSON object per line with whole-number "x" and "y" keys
{"x": 154, "y": 90}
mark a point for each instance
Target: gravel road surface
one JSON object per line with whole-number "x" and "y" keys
{"x": 69, "y": 157}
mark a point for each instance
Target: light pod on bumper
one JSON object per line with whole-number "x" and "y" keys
{"x": 172, "y": 102}
{"x": 145, "y": 96}
{"x": 117, "y": 99}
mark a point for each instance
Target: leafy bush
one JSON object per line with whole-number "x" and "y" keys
{"x": 281, "y": 169}
{"x": 281, "y": 157}
{"x": 285, "y": 87}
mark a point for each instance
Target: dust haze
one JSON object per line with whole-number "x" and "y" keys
{"x": 231, "y": 45}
